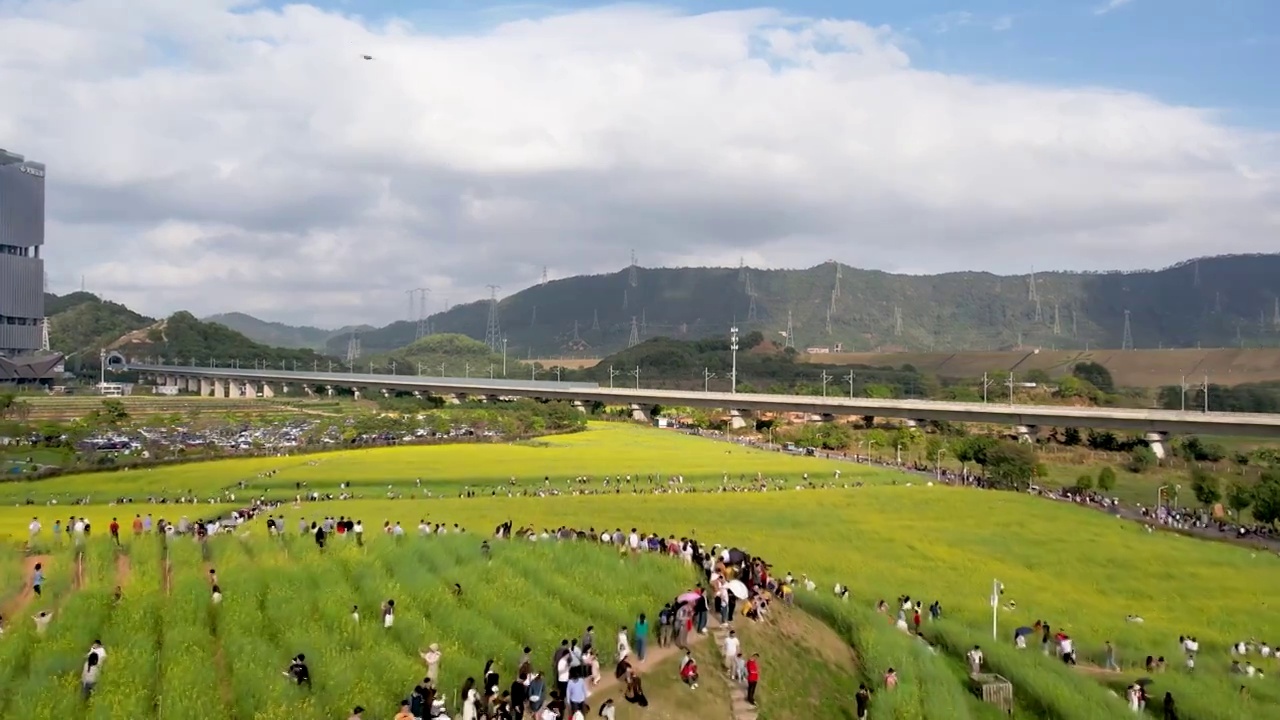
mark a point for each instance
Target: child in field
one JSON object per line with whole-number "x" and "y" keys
{"x": 299, "y": 671}
{"x": 37, "y": 579}
{"x": 388, "y": 613}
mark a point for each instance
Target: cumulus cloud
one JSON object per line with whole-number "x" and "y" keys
{"x": 217, "y": 155}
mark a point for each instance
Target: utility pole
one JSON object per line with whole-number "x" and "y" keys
{"x": 1010, "y": 388}
{"x": 849, "y": 378}
{"x": 825, "y": 379}
{"x": 533, "y": 371}
{"x": 613, "y": 374}
{"x": 466, "y": 370}
{"x": 733, "y": 348}
{"x": 1206, "y": 392}
{"x": 985, "y": 385}
{"x": 706, "y": 379}
{"x": 504, "y": 357}
{"x": 442, "y": 370}
{"x": 636, "y": 373}
{"x": 634, "y": 339}
{"x": 1182, "y": 383}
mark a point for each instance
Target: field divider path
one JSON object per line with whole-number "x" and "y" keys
{"x": 221, "y": 670}
{"x": 742, "y": 710}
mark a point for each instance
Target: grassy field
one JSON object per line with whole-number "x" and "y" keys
{"x": 166, "y": 640}
{"x": 1081, "y": 570}
{"x": 66, "y": 407}
{"x": 1129, "y": 368}
{"x": 606, "y": 449}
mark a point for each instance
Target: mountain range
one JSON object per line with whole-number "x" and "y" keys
{"x": 1227, "y": 301}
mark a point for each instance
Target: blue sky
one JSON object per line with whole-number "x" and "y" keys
{"x": 1211, "y": 53}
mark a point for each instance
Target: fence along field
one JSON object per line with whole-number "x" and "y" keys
{"x": 173, "y": 654}
{"x": 1079, "y": 569}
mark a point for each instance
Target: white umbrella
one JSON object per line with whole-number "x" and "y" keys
{"x": 738, "y": 589}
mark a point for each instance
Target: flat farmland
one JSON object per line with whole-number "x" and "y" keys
{"x": 1129, "y": 368}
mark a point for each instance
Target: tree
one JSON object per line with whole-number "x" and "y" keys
{"x": 973, "y": 449}
{"x": 1071, "y": 437}
{"x": 1010, "y": 464}
{"x": 1095, "y": 374}
{"x": 1205, "y": 486}
{"x": 1239, "y": 498}
{"x": 1106, "y": 479}
{"x": 1037, "y": 376}
{"x": 1142, "y": 459}
{"x": 1085, "y": 482}
{"x": 1266, "y": 499}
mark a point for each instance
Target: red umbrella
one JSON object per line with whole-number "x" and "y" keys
{"x": 691, "y": 596}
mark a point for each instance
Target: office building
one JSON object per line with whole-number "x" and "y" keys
{"x": 21, "y": 268}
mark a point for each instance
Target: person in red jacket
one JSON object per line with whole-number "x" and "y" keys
{"x": 115, "y": 530}
{"x": 753, "y": 677}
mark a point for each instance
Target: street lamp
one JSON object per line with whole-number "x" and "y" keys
{"x": 706, "y": 379}
{"x": 937, "y": 464}
{"x": 733, "y": 346}
{"x": 102, "y": 369}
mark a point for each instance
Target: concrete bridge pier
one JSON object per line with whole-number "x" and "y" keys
{"x": 235, "y": 389}
{"x": 1158, "y": 443}
{"x": 219, "y": 388}
{"x": 736, "y": 420}
{"x": 356, "y": 392}
{"x": 1027, "y": 433}
{"x": 251, "y": 390}
{"x": 206, "y": 387}
{"x": 267, "y": 391}
{"x": 638, "y": 413}
{"x": 580, "y": 406}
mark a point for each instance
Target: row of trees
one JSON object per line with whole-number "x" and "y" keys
{"x": 1262, "y": 499}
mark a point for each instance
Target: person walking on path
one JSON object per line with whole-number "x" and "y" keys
{"x": 863, "y": 701}
{"x": 37, "y": 579}
{"x": 1112, "y": 665}
{"x": 624, "y": 645}
{"x": 753, "y": 677}
{"x": 642, "y": 636}
{"x": 89, "y": 674}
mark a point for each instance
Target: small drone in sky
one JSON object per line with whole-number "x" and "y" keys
{"x": 367, "y": 57}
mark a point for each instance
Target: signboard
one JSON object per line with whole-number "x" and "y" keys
{"x": 33, "y": 171}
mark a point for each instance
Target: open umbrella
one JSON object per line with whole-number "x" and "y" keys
{"x": 1024, "y": 630}
{"x": 691, "y": 596}
{"x": 736, "y": 556}
{"x": 738, "y": 589}
{"x": 1143, "y": 682}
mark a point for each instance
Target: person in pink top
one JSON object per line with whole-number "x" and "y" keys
{"x": 890, "y": 679}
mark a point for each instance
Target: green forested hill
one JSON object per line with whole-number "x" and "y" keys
{"x": 82, "y": 321}
{"x": 1212, "y": 302}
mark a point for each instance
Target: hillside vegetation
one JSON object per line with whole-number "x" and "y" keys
{"x": 1212, "y": 302}
{"x": 282, "y": 335}
{"x": 448, "y": 355}
{"x": 88, "y": 322}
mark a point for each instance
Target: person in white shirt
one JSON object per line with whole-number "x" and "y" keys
{"x": 355, "y": 613}
{"x": 217, "y": 595}
{"x": 624, "y": 644}
{"x": 97, "y": 649}
{"x": 388, "y": 613}
{"x": 1264, "y": 650}
{"x": 89, "y": 674}
{"x": 731, "y": 647}
{"x": 34, "y": 527}
{"x": 974, "y": 658}
{"x": 42, "y": 620}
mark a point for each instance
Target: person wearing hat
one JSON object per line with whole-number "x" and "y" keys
{"x": 432, "y": 658}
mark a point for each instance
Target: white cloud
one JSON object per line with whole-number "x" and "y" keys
{"x": 215, "y": 156}
{"x": 1110, "y": 6}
